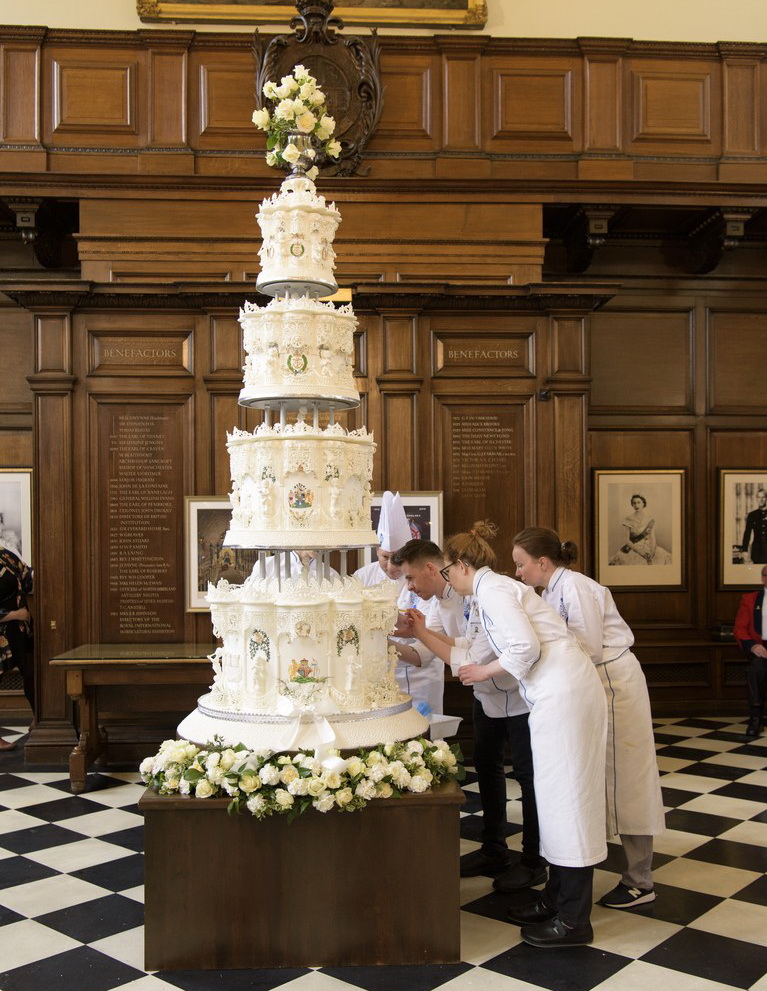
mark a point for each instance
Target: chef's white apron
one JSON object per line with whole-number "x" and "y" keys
{"x": 568, "y": 731}
{"x": 634, "y": 801}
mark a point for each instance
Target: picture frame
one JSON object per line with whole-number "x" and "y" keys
{"x": 424, "y": 513}
{"x": 742, "y": 551}
{"x": 16, "y": 511}
{"x": 206, "y": 520}
{"x": 375, "y": 13}
{"x": 639, "y": 546}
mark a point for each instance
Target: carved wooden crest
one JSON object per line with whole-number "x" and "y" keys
{"x": 347, "y": 70}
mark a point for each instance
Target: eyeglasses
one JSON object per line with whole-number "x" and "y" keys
{"x": 445, "y": 572}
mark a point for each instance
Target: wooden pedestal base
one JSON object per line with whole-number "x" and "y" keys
{"x": 378, "y": 886}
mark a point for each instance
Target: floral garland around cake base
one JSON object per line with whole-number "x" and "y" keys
{"x": 267, "y": 783}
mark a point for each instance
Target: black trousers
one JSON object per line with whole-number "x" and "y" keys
{"x": 23, "y": 658}
{"x": 569, "y": 890}
{"x": 490, "y": 738}
{"x": 756, "y": 680}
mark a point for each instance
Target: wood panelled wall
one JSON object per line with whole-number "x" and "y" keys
{"x": 628, "y": 366}
{"x": 178, "y": 103}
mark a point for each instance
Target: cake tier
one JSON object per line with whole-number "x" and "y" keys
{"x": 298, "y": 350}
{"x": 297, "y": 251}
{"x": 306, "y": 642}
{"x": 295, "y": 485}
{"x": 367, "y": 730}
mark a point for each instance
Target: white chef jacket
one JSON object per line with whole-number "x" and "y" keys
{"x": 568, "y": 716}
{"x": 634, "y": 799}
{"x": 499, "y": 696}
{"x": 371, "y": 574}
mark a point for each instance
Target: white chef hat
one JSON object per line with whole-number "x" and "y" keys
{"x": 393, "y": 527}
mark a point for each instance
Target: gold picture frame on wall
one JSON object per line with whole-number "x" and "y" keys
{"x": 374, "y": 13}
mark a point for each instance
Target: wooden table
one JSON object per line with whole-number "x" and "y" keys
{"x": 376, "y": 886}
{"x": 98, "y": 672}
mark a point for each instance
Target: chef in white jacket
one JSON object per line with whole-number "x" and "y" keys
{"x": 634, "y": 801}
{"x": 452, "y": 629}
{"x": 423, "y": 678}
{"x": 568, "y": 729}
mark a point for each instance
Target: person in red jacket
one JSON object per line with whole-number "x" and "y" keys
{"x": 751, "y": 634}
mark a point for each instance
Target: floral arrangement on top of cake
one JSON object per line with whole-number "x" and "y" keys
{"x": 298, "y": 110}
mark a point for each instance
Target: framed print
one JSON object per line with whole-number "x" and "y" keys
{"x": 423, "y": 511}
{"x": 207, "y": 560}
{"x": 638, "y": 528}
{"x": 16, "y": 511}
{"x": 742, "y": 526}
{"x": 378, "y": 13}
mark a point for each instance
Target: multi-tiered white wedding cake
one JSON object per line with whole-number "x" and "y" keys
{"x": 304, "y": 659}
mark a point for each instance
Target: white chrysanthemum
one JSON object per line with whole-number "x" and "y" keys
{"x": 288, "y": 773}
{"x": 399, "y": 774}
{"x": 256, "y": 803}
{"x": 269, "y": 774}
{"x": 299, "y": 786}
{"x": 332, "y": 779}
{"x": 365, "y": 789}
{"x": 418, "y": 784}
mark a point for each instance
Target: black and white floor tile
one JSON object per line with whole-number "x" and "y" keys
{"x": 71, "y": 890}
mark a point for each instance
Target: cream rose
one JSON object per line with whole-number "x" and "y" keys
{"x": 249, "y": 781}
{"x": 283, "y": 798}
{"x": 343, "y": 796}
{"x": 203, "y": 789}
{"x": 261, "y": 119}
{"x": 305, "y": 122}
{"x": 288, "y": 773}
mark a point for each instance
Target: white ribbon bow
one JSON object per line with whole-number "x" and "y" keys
{"x": 322, "y": 735}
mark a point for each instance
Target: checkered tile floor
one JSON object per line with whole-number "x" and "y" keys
{"x": 71, "y": 888}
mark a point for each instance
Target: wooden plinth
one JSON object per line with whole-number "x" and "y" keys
{"x": 378, "y": 886}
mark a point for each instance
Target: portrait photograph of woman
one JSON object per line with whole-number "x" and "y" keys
{"x": 639, "y": 527}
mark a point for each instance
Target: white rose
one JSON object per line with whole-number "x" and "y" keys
{"x": 284, "y": 109}
{"x": 212, "y": 760}
{"x": 384, "y": 790}
{"x": 333, "y": 148}
{"x": 171, "y": 783}
{"x": 283, "y": 798}
{"x": 355, "y": 766}
{"x": 317, "y": 98}
{"x": 249, "y": 782}
{"x": 322, "y": 134}
{"x": 311, "y": 764}
{"x": 414, "y": 747}
{"x": 290, "y": 82}
{"x": 203, "y": 789}
{"x": 228, "y": 759}
{"x": 332, "y": 779}
{"x": 290, "y": 153}
{"x": 305, "y": 122}
{"x": 312, "y": 173}
{"x": 300, "y": 786}
{"x": 307, "y": 90}
{"x": 184, "y": 787}
{"x": 269, "y": 774}
{"x": 261, "y": 119}
{"x": 375, "y": 757}
{"x": 146, "y": 766}
{"x": 300, "y": 70}
{"x": 288, "y": 773}
{"x": 215, "y": 775}
{"x": 328, "y": 123}
{"x": 230, "y": 788}
{"x": 343, "y": 797}
{"x": 399, "y": 774}
{"x": 315, "y": 787}
{"x": 189, "y": 751}
{"x": 283, "y": 760}
{"x": 324, "y": 803}
{"x": 271, "y": 158}
{"x": 270, "y": 90}
{"x": 389, "y": 749}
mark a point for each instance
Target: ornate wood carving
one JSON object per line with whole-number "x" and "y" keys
{"x": 721, "y": 231}
{"x": 587, "y": 232}
{"x": 346, "y": 68}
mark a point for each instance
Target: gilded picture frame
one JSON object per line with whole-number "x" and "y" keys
{"x": 639, "y": 528}
{"x": 742, "y": 526}
{"x": 436, "y": 14}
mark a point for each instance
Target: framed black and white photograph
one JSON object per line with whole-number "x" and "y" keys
{"x": 742, "y": 526}
{"x": 423, "y": 511}
{"x": 207, "y": 560}
{"x": 16, "y": 511}
{"x": 638, "y": 526}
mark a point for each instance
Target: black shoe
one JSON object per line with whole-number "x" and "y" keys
{"x": 479, "y": 862}
{"x": 754, "y": 728}
{"x": 536, "y": 911}
{"x": 555, "y": 933}
{"x": 519, "y": 877}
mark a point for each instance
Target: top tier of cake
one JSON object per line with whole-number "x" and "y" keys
{"x": 297, "y": 256}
